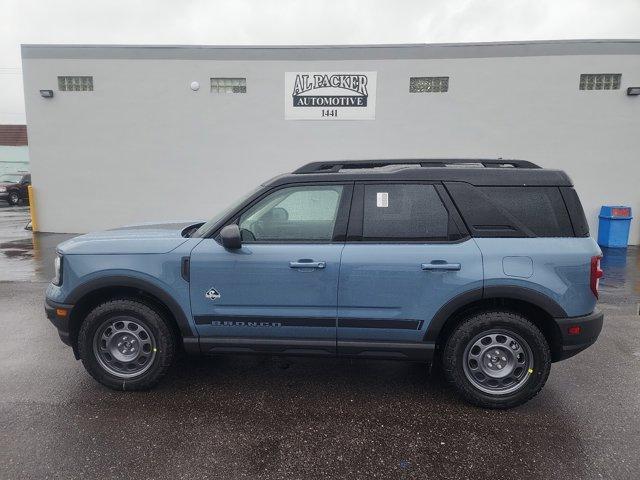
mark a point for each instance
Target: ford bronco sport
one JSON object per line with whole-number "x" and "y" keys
{"x": 484, "y": 267}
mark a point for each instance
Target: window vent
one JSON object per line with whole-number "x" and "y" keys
{"x": 229, "y": 85}
{"x": 600, "y": 81}
{"x": 428, "y": 84}
{"x": 75, "y": 84}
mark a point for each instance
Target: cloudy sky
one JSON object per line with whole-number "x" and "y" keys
{"x": 281, "y": 22}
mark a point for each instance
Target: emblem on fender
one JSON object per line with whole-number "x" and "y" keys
{"x": 212, "y": 294}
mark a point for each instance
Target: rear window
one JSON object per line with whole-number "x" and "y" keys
{"x": 512, "y": 211}
{"x": 404, "y": 212}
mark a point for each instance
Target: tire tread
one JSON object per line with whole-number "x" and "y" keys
{"x": 166, "y": 343}
{"x": 471, "y": 326}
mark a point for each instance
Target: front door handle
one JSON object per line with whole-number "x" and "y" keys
{"x": 440, "y": 265}
{"x": 307, "y": 264}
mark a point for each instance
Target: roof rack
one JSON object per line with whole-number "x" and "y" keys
{"x": 336, "y": 166}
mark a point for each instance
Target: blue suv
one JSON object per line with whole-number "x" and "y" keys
{"x": 483, "y": 267}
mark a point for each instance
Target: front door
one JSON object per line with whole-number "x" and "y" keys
{"x": 279, "y": 291}
{"x": 405, "y": 258}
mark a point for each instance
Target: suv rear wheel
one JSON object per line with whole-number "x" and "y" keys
{"x": 126, "y": 345}
{"x": 497, "y": 359}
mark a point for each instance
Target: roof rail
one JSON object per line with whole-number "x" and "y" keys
{"x": 337, "y": 165}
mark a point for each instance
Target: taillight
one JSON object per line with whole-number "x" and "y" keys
{"x": 574, "y": 330}
{"x": 596, "y": 275}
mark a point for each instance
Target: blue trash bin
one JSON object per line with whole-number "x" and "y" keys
{"x": 613, "y": 230}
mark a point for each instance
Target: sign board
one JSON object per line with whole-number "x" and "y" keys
{"x": 330, "y": 95}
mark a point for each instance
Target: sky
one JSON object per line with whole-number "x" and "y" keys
{"x": 287, "y": 22}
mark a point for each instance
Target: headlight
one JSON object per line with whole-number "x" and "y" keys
{"x": 57, "y": 269}
{"x": 3, "y": 189}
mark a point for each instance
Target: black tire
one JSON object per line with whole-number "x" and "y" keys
{"x": 13, "y": 199}
{"x": 480, "y": 327}
{"x": 158, "y": 335}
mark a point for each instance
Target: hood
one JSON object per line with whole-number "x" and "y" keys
{"x": 134, "y": 239}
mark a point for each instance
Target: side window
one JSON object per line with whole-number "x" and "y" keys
{"x": 512, "y": 211}
{"x": 404, "y": 212}
{"x": 304, "y": 213}
{"x": 540, "y": 209}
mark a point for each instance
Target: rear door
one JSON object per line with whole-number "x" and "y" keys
{"x": 407, "y": 254}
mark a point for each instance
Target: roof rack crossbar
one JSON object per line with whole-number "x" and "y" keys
{"x": 336, "y": 166}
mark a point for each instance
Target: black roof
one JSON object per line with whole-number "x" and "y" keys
{"x": 479, "y": 172}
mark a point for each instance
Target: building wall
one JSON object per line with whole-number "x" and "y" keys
{"x": 144, "y": 147}
{"x": 14, "y": 159}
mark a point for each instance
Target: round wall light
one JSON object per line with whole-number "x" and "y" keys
{"x": 195, "y": 86}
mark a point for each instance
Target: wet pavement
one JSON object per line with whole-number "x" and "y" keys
{"x": 25, "y": 256}
{"x": 268, "y": 417}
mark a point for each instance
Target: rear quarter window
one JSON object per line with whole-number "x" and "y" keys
{"x": 512, "y": 211}
{"x": 576, "y": 213}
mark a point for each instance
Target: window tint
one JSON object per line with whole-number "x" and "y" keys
{"x": 293, "y": 214}
{"x": 576, "y": 213}
{"x": 403, "y": 212}
{"x": 539, "y": 209}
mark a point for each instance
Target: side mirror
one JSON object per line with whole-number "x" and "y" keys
{"x": 230, "y": 237}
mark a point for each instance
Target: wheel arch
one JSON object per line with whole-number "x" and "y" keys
{"x": 535, "y": 306}
{"x": 89, "y": 295}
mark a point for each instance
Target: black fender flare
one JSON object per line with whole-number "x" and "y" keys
{"x": 549, "y": 305}
{"x": 90, "y": 286}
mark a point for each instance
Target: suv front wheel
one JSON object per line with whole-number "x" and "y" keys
{"x": 497, "y": 359}
{"x": 126, "y": 345}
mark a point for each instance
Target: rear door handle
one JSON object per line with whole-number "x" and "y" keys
{"x": 441, "y": 265}
{"x": 307, "y": 264}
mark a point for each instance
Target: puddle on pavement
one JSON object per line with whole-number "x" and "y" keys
{"x": 20, "y": 249}
{"x": 621, "y": 281}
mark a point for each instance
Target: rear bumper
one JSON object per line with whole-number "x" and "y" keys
{"x": 61, "y": 322}
{"x": 590, "y": 327}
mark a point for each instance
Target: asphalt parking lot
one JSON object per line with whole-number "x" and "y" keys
{"x": 267, "y": 417}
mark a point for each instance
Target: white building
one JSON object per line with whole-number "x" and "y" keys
{"x": 157, "y": 133}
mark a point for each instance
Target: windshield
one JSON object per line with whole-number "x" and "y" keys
{"x": 10, "y": 178}
{"x": 204, "y": 229}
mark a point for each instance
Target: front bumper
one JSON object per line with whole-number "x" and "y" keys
{"x": 590, "y": 327}
{"x": 60, "y": 321}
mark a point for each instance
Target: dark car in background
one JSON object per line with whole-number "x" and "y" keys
{"x": 14, "y": 187}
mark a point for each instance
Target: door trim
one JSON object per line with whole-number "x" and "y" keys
{"x": 389, "y": 324}
{"x": 253, "y": 321}
{"x": 418, "y": 351}
{"x": 421, "y": 352}
{"x": 272, "y": 346}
